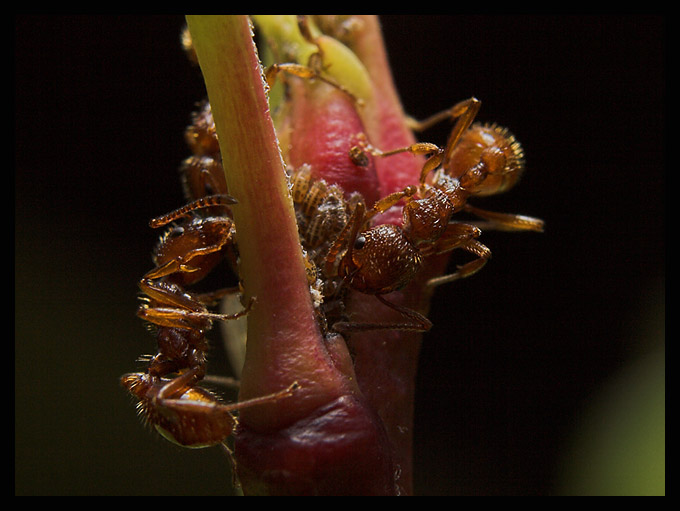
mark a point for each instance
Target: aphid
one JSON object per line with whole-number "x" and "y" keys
{"x": 477, "y": 160}
{"x": 322, "y": 211}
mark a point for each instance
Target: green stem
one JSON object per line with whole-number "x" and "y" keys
{"x": 284, "y": 342}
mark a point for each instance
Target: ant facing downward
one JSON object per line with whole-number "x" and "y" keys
{"x": 198, "y": 237}
{"x": 180, "y": 410}
{"x": 477, "y": 160}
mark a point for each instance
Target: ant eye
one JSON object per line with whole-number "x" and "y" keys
{"x": 359, "y": 242}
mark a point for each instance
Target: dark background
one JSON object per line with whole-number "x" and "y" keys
{"x": 520, "y": 355}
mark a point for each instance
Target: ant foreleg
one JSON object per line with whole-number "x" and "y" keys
{"x": 392, "y": 199}
{"x": 459, "y": 236}
{"x": 346, "y": 237}
{"x": 419, "y": 148}
{"x": 180, "y": 263}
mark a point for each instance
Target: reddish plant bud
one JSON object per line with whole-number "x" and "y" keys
{"x": 324, "y": 128}
{"x": 339, "y": 449}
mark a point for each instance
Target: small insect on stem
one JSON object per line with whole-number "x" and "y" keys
{"x": 197, "y": 237}
{"x": 377, "y": 259}
{"x": 477, "y": 160}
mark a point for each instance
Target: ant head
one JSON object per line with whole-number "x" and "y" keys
{"x": 487, "y": 160}
{"x": 380, "y": 260}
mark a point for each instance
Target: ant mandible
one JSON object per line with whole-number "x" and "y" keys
{"x": 477, "y": 160}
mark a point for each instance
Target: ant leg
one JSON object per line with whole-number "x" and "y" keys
{"x": 507, "y": 221}
{"x": 459, "y": 236}
{"x": 229, "y": 452}
{"x": 464, "y": 111}
{"x": 468, "y": 269}
{"x": 390, "y": 200}
{"x": 419, "y": 148}
{"x": 420, "y": 323}
{"x": 179, "y": 385}
{"x": 349, "y": 232}
{"x": 168, "y": 295}
{"x": 466, "y": 108}
{"x": 183, "y": 318}
{"x": 456, "y": 235}
{"x": 193, "y": 417}
{"x": 306, "y": 72}
{"x": 180, "y": 263}
{"x": 314, "y": 68}
{"x": 223, "y": 381}
{"x": 213, "y": 297}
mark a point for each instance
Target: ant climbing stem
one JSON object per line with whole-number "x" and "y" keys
{"x": 197, "y": 237}
{"x": 477, "y": 160}
{"x": 168, "y": 394}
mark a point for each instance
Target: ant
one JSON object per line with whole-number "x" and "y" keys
{"x": 477, "y": 160}
{"x": 201, "y": 235}
{"x": 180, "y": 410}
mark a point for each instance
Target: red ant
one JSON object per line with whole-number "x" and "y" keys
{"x": 201, "y": 234}
{"x": 180, "y": 410}
{"x": 477, "y": 160}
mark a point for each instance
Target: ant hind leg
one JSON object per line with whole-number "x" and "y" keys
{"x": 418, "y": 322}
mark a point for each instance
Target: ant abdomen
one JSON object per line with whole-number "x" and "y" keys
{"x": 487, "y": 159}
{"x": 184, "y": 414}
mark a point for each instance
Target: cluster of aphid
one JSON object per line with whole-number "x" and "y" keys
{"x": 345, "y": 249}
